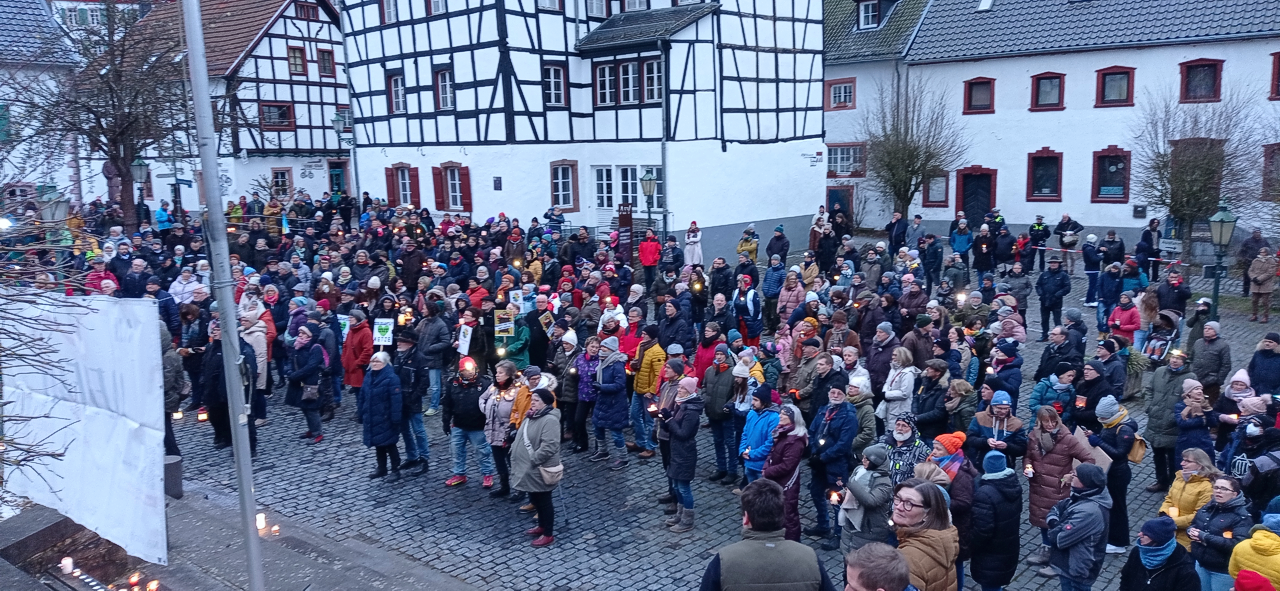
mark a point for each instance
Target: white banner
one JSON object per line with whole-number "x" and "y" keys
{"x": 111, "y": 479}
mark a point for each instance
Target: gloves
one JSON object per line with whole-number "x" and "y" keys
{"x": 665, "y": 413}
{"x": 1094, "y": 440}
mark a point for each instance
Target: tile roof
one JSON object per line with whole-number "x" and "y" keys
{"x": 846, "y": 44}
{"x": 28, "y": 34}
{"x": 955, "y": 29}
{"x": 635, "y": 28}
{"x": 230, "y": 27}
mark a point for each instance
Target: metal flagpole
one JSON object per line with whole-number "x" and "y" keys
{"x": 222, "y": 287}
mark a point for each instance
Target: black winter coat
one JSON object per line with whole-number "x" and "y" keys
{"x": 1052, "y": 288}
{"x": 215, "y": 388}
{"x": 411, "y": 368}
{"x": 994, "y": 539}
{"x": 435, "y": 341}
{"x": 460, "y": 403}
{"x": 929, "y": 404}
{"x": 381, "y": 407}
{"x": 1178, "y": 573}
{"x": 675, "y": 330}
{"x": 1093, "y": 392}
{"x": 683, "y": 429}
{"x": 1213, "y": 550}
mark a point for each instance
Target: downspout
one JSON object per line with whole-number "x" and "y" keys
{"x": 346, "y": 59}
{"x": 665, "y": 49}
{"x": 577, "y": 25}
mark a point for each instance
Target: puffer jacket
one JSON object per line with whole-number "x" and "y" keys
{"x": 717, "y": 388}
{"x": 543, "y": 433}
{"x": 985, "y": 426}
{"x": 1178, "y": 573}
{"x": 1185, "y": 497}
{"x": 1078, "y": 537}
{"x": 1212, "y": 361}
{"x": 1194, "y": 431}
{"x": 460, "y": 403}
{"x": 1162, "y": 394}
{"x": 931, "y": 557}
{"x": 256, "y": 336}
{"x": 648, "y": 367}
{"x": 1260, "y": 553}
{"x": 683, "y": 429}
{"x": 1213, "y": 550}
{"x": 898, "y": 390}
{"x": 1044, "y": 394}
{"x": 774, "y": 277}
{"x": 876, "y": 499}
{"x": 994, "y": 533}
{"x": 381, "y": 407}
{"x": 612, "y": 408}
{"x": 929, "y": 404}
{"x": 435, "y": 341}
{"x": 1051, "y": 481}
{"x": 864, "y": 404}
{"x": 757, "y": 436}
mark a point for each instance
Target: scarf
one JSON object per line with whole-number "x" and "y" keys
{"x": 685, "y": 397}
{"x": 301, "y": 342}
{"x": 851, "y": 511}
{"x": 1048, "y": 439}
{"x": 950, "y": 464}
{"x": 997, "y": 475}
{"x": 1156, "y": 556}
{"x": 1059, "y": 386}
{"x": 607, "y": 361}
{"x": 1239, "y": 395}
{"x": 721, "y": 367}
{"x": 1116, "y": 420}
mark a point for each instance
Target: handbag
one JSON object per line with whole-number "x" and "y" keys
{"x": 311, "y": 392}
{"x": 551, "y": 476}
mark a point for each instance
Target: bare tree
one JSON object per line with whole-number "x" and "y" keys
{"x": 911, "y": 133}
{"x": 1190, "y": 156}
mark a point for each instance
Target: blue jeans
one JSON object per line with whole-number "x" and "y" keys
{"x": 619, "y": 440}
{"x": 434, "y": 388}
{"x": 751, "y": 475}
{"x": 641, "y": 422}
{"x": 1103, "y": 313}
{"x": 313, "y": 421}
{"x": 1139, "y": 339}
{"x": 1211, "y": 581}
{"x": 415, "y": 438}
{"x": 337, "y": 387}
{"x": 725, "y": 444}
{"x": 684, "y": 493}
{"x": 458, "y": 440}
{"x": 1072, "y": 585}
{"x": 1092, "y": 294}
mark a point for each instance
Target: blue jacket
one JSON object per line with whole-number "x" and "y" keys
{"x": 773, "y": 278}
{"x": 1092, "y": 257}
{"x": 1134, "y": 284}
{"x": 1264, "y": 369}
{"x": 611, "y": 411}
{"x": 831, "y": 442}
{"x": 758, "y": 436}
{"x": 381, "y": 407}
{"x": 1194, "y": 432}
{"x": 169, "y": 312}
{"x": 1109, "y": 288}
{"x": 1043, "y": 394}
{"x": 961, "y": 242}
{"x": 749, "y": 310}
{"x": 1011, "y": 376}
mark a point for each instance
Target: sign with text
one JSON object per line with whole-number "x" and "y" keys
{"x": 382, "y": 329}
{"x": 504, "y": 323}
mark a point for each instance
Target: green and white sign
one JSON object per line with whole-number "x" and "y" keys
{"x": 382, "y": 331}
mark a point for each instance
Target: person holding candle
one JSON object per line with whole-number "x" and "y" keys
{"x": 681, "y": 421}
{"x": 1051, "y": 451}
{"x": 1215, "y": 531}
{"x": 1191, "y": 489}
{"x": 1195, "y": 416}
{"x": 381, "y": 413}
{"x": 834, "y": 426}
{"x": 534, "y": 459}
{"x": 464, "y": 421}
{"x": 1158, "y": 562}
{"x": 647, "y": 371}
{"x": 1236, "y": 397}
{"x": 609, "y": 385}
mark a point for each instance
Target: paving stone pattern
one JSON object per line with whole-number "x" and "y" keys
{"x": 609, "y": 533}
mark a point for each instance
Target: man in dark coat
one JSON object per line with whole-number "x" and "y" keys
{"x": 464, "y": 422}
{"x": 436, "y": 343}
{"x": 410, "y": 264}
{"x": 830, "y": 451}
{"x": 410, "y": 365}
{"x": 1176, "y": 572}
{"x": 215, "y": 389}
{"x": 168, "y": 307}
{"x": 1059, "y": 350}
{"x": 1052, "y": 286}
{"x": 929, "y": 403}
{"x": 994, "y": 529}
{"x": 897, "y": 229}
{"x": 781, "y": 245}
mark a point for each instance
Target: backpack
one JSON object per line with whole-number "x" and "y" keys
{"x": 1139, "y": 449}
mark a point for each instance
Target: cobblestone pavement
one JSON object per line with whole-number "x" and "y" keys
{"x": 608, "y": 532}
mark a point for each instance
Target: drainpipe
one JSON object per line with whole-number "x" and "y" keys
{"x": 664, "y": 49}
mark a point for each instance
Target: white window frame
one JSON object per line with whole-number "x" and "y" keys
{"x": 444, "y": 90}
{"x": 453, "y": 186}
{"x": 603, "y": 179}
{"x": 281, "y": 182}
{"x": 659, "y": 186}
{"x": 636, "y": 5}
{"x": 628, "y": 83}
{"x": 868, "y": 15}
{"x": 842, "y": 91}
{"x": 562, "y": 186}
{"x": 684, "y": 2}
{"x": 439, "y": 7}
{"x": 607, "y": 85}
{"x": 95, "y": 16}
{"x": 403, "y": 186}
{"x": 549, "y": 4}
{"x": 845, "y": 160}
{"x": 553, "y": 85}
{"x": 597, "y": 8}
{"x": 399, "y": 104}
{"x": 390, "y": 12}
{"x": 628, "y": 185}
{"x": 653, "y": 81}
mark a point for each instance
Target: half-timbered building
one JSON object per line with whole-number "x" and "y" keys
{"x": 518, "y": 105}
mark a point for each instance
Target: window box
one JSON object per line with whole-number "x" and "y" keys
{"x": 1044, "y": 175}
{"x": 1110, "y": 176}
{"x": 1115, "y": 87}
{"x": 1201, "y": 81}
{"x": 846, "y": 160}
{"x": 979, "y": 96}
{"x": 1047, "y": 92}
{"x": 841, "y": 94}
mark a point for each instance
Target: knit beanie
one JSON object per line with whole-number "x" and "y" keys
{"x": 689, "y": 384}
{"x": 876, "y": 455}
{"x": 741, "y": 371}
{"x": 651, "y": 330}
{"x": 1062, "y": 368}
{"x": 723, "y": 348}
{"x": 1253, "y": 405}
{"x": 1160, "y": 530}
{"x": 1189, "y": 385}
{"x": 610, "y": 343}
{"x": 1249, "y": 580}
{"x": 1001, "y": 398}
{"x": 885, "y": 327}
{"x": 994, "y": 462}
{"x": 547, "y": 397}
{"x": 571, "y": 338}
{"x": 1107, "y": 408}
{"x": 1073, "y": 314}
{"x": 734, "y": 335}
{"x": 1009, "y": 348}
{"x": 923, "y": 320}
{"x": 951, "y": 441}
{"x": 1109, "y": 345}
{"x": 1091, "y": 476}
{"x": 764, "y": 394}
{"x": 676, "y": 365}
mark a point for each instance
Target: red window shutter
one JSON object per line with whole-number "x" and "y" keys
{"x": 437, "y": 181}
{"x": 414, "y": 192}
{"x": 392, "y": 193}
{"x": 464, "y": 177}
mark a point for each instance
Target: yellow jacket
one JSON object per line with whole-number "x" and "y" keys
{"x": 535, "y": 268}
{"x": 1260, "y": 553}
{"x": 757, "y": 372}
{"x": 808, "y": 275}
{"x": 749, "y": 246}
{"x": 1187, "y": 496}
{"x": 648, "y": 365}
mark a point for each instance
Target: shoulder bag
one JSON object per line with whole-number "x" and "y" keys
{"x": 552, "y": 475}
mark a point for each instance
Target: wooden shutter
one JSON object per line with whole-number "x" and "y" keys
{"x": 392, "y": 188}
{"x": 464, "y": 178}
{"x": 82, "y": 16}
{"x": 414, "y": 192}
{"x": 437, "y": 182}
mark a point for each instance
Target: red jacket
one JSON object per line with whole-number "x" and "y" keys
{"x": 476, "y": 295}
{"x": 93, "y": 283}
{"x": 629, "y": 341}
{"x": 650, "y": 252}
{"x": 702, "y": 359}
{"x": 265, "y": 317}
{"x": 356, "y": 352}
{"x": 1130, "y": 320}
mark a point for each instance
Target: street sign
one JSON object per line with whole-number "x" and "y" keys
{"x": 1171, "y": 245}
{"x": 183, "y": 182}
{"x": 164, "y": 175}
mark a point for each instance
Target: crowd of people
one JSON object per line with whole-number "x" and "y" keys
{"x": 888, "y": 375}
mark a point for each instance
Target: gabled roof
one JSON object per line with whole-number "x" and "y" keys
{"x": 956, "y": 30}
{"x": 630, "y": 29}
{"x": 845, "y": 43}
{"x": 231, "y": 27}
{"x": 28, "y": 35}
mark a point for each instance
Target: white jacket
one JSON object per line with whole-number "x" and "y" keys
{"x": 898, "y": 390}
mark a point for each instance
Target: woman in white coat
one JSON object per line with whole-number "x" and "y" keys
{"x": 899, "y": 387}
{"x": 693, "y": 245}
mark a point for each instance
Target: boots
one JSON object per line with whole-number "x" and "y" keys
{"x": 674, "y": 519}
{"x": 833, "y": 542}
{"x": 1039, "y": 556}
{"x": 395, "y": 475}
{"x": 686, "y": 522}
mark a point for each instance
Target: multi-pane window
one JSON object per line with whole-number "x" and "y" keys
{"x": 562, "y": 186}
{"x": 652, "y": 81}
{"x": 869, "y": 15}
{"x": 628, "y": 185}
{"x": 606, "y": 85}
{"x": 345, "y": 112}
{"x": 845, "y": 160}
{"x": 659, "y": 188}
{"x": 444, "y": 89}
{"x": 1200, "y": 81}
{"x": 549, "y": 4}
{"x": 297, "y": 61}
{"x": 281, "y": 181}
{"x": 841, "y": 94}
{"x": 390, "y": 13}
{"x": 604, "y": 186}
{"x": 596, "y": 8}
{"x": 553, "y": 85}
{"x": 1046, "y": 91}
{"x": 308, "y": 11}
{"x": 629, "y": 82}
{"x": 453, "y": 184}
{"x": 395, "y": 84}
{"x": 438, "y": 7}
{"x": 1046, "y": 178}
{"x": 1112, "y": 176}
{"x": 633, "y": 5}
{"x": 404, "y": 187}
{"x": 324, "y": 61}
{"x": 1116, "y": 88}
{"x": 277, "y": 116}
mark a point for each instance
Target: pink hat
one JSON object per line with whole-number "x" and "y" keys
{"x": 689, "y": 384}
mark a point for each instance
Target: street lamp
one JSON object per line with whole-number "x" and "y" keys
{"x": 340, "y": 126}
{"x": 141, "y": 174}
{"x": 1221, "y": 226}
{"x": 649, "y": 185}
